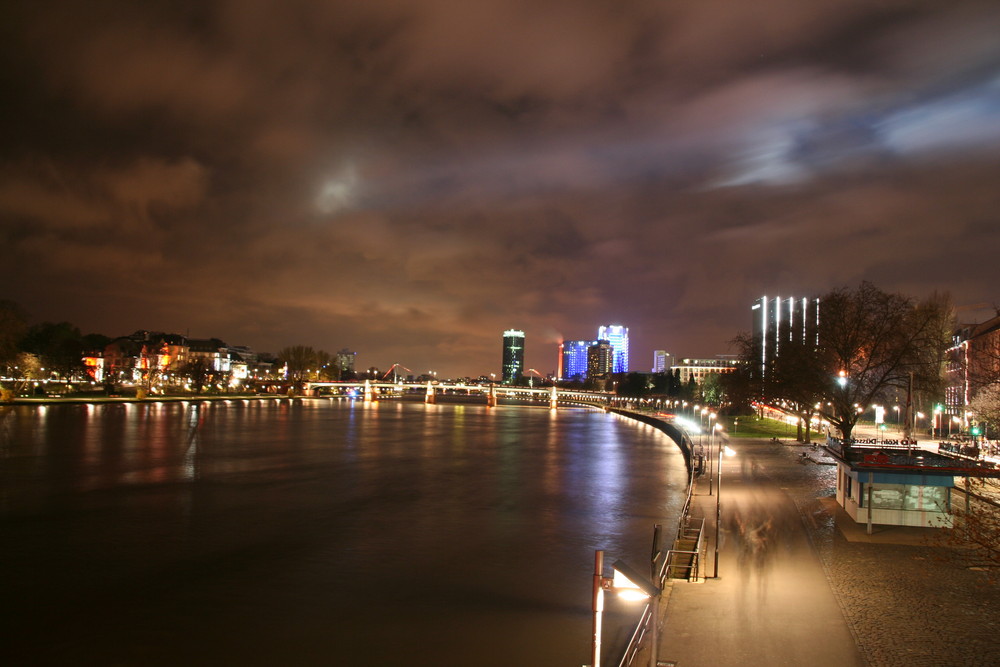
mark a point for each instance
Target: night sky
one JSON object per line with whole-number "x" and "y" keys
{"x": 409, "y": 179}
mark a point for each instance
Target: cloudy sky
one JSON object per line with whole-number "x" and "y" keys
{"x": 409, "y": 179}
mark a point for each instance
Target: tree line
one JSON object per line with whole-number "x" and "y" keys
{"x": 33, "y": 352}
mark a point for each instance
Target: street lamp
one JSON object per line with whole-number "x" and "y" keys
{"x": 711, "y": 443}
{"x": 630, "y": 585}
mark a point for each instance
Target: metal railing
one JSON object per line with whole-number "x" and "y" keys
{"x": 685, "y": 563}
{"x": 688, "y": 529}
{"x": 635, "y": 642}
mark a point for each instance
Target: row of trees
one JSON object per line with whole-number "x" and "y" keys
{"x": 305, "y": 363}
{"x": 40, "y": 351}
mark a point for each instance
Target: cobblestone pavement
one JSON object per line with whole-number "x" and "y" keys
{"x": 906, "y": 603}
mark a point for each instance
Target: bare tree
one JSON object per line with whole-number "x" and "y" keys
{"x": 975, "y": 527}
{"x": 986, "y": 408}
{"x": 871, "y": 343}
{"x": 150, "y": 365}
{"x": 300, "y": 360}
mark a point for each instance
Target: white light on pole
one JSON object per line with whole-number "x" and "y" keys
{"x": 629, "y": 585}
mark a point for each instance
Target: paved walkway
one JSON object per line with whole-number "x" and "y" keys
{"x": 801, "y": 584}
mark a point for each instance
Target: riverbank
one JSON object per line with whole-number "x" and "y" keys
{"x": 800, "y": 582}
{"x": 816, "y": 589}
{"x": 71, "y": 400}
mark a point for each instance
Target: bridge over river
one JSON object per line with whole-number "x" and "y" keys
{"x": 368, "y": 390}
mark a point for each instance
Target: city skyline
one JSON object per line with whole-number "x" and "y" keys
{"x": 407, "y": 181}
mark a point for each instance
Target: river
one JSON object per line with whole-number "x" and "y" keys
{"x": 319, "y": 532}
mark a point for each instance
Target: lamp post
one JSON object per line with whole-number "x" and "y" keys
{"x": 598, "y": 607}
{"x": 630, "y": 585}
{"x": 711, "y": 443}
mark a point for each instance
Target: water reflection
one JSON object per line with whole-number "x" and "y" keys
{"x": 320, "y": 532}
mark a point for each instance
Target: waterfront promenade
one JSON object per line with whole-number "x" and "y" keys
{"x": 800, "y": 583}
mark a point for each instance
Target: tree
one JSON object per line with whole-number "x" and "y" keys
{"x": 150, "y": 366}
{"x": 326, "y": 366}
{"x": 711, "y": 389}
{"x": 304, "y": 362}
{"x": 13, "y": 324}
{"x": 631, "y": 384}
{"x": 690, "y": 390}
{"x": 661, "y": 383}
{"x": 976, "y": 527}
{"x": 798, "y": 376}
{"x": 58, "y": 345}
{"x": 26, "y": 368}
{"x": 738, "y": 389}
{"x": 794, "y": 378}
{"x": 986, "y": 407}
{"x": 198, "y": 373}
{"x": 870, "y": 345}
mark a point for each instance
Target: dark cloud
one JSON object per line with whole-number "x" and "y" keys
{"x": 409, "y": 179}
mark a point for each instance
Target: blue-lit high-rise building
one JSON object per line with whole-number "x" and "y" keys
{"x": 617, "y": 335}
{"x": 513, "y": 356}
{"x": 573, "y": 359}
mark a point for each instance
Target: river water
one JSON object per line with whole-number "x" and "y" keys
{"x": 319, "y": 532}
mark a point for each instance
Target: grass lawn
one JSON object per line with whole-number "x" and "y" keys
{"x": 751, "y": 426}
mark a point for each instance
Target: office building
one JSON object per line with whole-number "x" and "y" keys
{"x": 345, "y": 360}
{"x": 699, "y": 369}
{"x": 513, "y": 356}
{"x": 617, "y": 336}
{"x": 599, "y": 360}
{"x": 973, "y": 365}
{"x": 779, "y": 319}
{"x": 573, "y": 359}
{"x": 662, "y": 361}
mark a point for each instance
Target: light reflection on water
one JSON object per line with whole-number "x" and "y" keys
{"x": 320, "y": 532}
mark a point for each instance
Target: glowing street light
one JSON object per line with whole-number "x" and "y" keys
{"x": 711, "y": 443}
{"x": 630, "y": 585}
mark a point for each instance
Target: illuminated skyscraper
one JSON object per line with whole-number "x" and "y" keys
{"x": 573, "y": 359}
{"x": 662, "y": 361}
{"x": 599, "y": 360}
{"x": 617, "y": 335}
{"x": 513, "y": 356}
{"x": 779, "y": 319}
